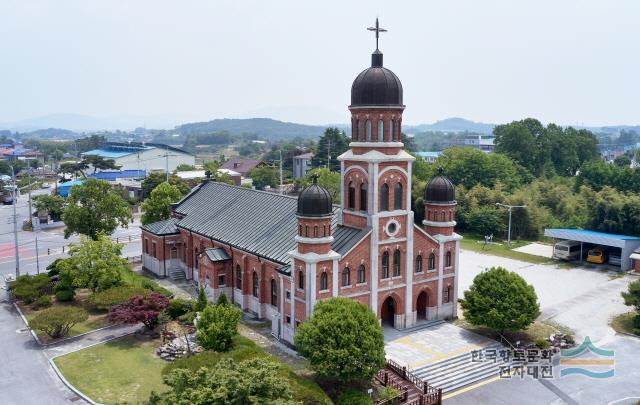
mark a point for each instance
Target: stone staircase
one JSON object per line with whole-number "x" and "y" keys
{"x": 176, "y": 274}
{"x": 457, "y": 372}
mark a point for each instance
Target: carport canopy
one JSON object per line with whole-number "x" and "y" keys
{"x": 626, "y": 243}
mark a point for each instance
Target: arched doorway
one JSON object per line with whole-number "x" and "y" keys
{"x": 421, "y": 305}
{"x": 388, "y": 311}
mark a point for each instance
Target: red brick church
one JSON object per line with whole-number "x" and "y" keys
{"x": 275, "y": 256}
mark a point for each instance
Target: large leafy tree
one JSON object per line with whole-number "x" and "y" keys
{"x": 217, "y": 325}
{"x": 501, "y": 300}
{"x": 158, "y": 206}
{"x": 94, "y": 264}
{"x": 342, "y": 340}
{"x": 326, "y": 179}
{"x": 250, "y": 382}
{"x": 333, "y": 142}
{"x": 153, "y": 180}
{"x": 53, "y": 204}
{"x": 263, "y": 176}
{"x": 99, "y": 163}
{"x": 141, "y": 308}
{"x": 94, "y": 208}
{"x": 56, "y": 322}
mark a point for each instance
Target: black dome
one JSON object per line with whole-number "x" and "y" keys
{"x": 376, "y": 86}
{"x": 314, "y": 201}
{"x": 440, "y": 189}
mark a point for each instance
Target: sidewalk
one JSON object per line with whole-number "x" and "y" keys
{"x": 90, "y": 339}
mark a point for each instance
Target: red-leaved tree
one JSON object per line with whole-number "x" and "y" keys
{"x": 140, "y": 308}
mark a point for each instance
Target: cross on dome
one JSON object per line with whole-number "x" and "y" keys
{"x": 378, "y": 30}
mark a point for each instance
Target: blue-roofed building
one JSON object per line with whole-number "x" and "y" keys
{"x": 148, "y": 157}
{"x": 65, "y": 188}
{"x": 118, "y": 174}
{"x": 618, "y": 246}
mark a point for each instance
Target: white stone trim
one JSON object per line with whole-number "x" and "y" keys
{"x": 313, "y": 241}
{"x": 440, "y": 272}
{"x": 437, "y": 224}
{"x": 449, "y": 238}
{"x": 334, "y": 278}
{"x": 391, "y": 241}
{"x": 395, "y": 213}
{"x": 398, "y": 168}
{"x": 455, "y": 280}
{"x": 376, "y": 145}
{"x": 311, "y": 293}
{"x": 355, "y": 167}
{"x": 357, "y": 213}
{"x": 313, "y": 257}
{"x": 377, "y": 156}
{"x": 392, "y": 287}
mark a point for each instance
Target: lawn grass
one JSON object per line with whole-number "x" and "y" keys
{"x": 123, "y": 370}
{"x": 130, "y": 277}
{"x": 304, "y": 390}
{"x": 470, "y": 242}
{"x": 623, "y": 323}
{"x": 127, "y": 369}
{"x": 537, "y": 330}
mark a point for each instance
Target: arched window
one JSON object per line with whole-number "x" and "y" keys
{"x": 444, "y": 217}
{"x": 397, "y": 196}
{"x": 315, "y": 231}
{"x": 301, "y": 280}
{"x": 356, "y": 131}
{"x": 385, "y": 264}
{"x": 324, "y": 285}
{"x": 300, "y": 230}
{"x": 306, "y": 231}
{"x": 324, "y": 231}
{"x": 396, "y": 263}
{"x": 450, "y": 216}
{"x": 429, "y": 215}
{"x": 419, "y": 264}
{"x": 447, "y": 260}
{"x": 346, "y": 277}
{"x": 238, "y": 277}
{"x": 446, "y": 293}
{"x": 432, "y": 261}
{"x": 351, "y": 201}
{"x": 380, "y": 131}
{"x": 392, "y": 129}
{"x": 274, "y": 293}
{"x": 363, "y": 196}
{"x": 367, "y": 130}
{"x": 361, "y": 274}
{"x": 384, "y": 197}
{"x": 255, "y": 284}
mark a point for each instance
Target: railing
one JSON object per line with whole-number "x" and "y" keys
{"x": 430, "y": 395}
{"x": 383, "y": 377}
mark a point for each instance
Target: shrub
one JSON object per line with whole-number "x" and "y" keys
{"x": 65, "y": 295}
{"x": 42, "y": 302}
{"x": 216, "y": 327}
{"x": 104, "y": 300}
{"x": 25, "y": 293}
{"x": 353, "y": 397}
{"x": 140, "y": 308}
{"x": 223, "y": 300}
{"x": 57, "y": 322}
{"x": 636, "y": 325}
{"x": 188, "y": 317}
{"x": 178, "y": 307}
{"x": 202, "y": 302}
{"x": 541, "y": 343}
{"x": 569, "y": 338}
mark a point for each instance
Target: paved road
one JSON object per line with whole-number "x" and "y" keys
{"x": 25, "y": 376}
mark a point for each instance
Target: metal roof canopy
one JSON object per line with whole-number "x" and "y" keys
{"x": 217, "y": 254}
{"x": 626, "y": 243}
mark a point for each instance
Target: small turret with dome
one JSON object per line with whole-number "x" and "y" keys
{"x": 440, "y": 205}
{"x": 315, "y": 214}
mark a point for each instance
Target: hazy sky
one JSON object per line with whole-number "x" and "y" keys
{"x": 571, "y": 62}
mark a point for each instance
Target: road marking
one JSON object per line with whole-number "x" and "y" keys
{"x": 471, "y": 387}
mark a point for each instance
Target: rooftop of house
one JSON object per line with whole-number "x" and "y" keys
{"x": 241, "y": 166}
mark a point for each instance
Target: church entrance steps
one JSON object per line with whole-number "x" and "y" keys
{"x": 423, "y": 325}
{"x": 461, "y": 370}
{"x": 413, "y": 390}
{"x": 176, "y": 273}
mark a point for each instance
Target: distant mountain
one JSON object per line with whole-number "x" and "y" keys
{"x": 87, "y": 123}
{"x": 452, "y": 125}
{"x": 263, "y": 127}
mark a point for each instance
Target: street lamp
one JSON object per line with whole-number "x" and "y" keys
{"x": 510, "y": 207}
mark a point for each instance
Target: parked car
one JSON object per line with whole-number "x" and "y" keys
{"x": 596, "y": 255}
{"x": 45, "y": 185}
{"x": 615, "y": 259}
{"x": 567, "y": 250}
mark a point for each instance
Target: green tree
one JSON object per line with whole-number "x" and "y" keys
{"x": 56, "y": 322}
{"x": 216, "y": 326}
{"x": 251, "y": 382}
{"x": 486, "y": 221}
{"x": 326, "y": 179}
{"x": 153, "y": 180}
{"x": 632, "y": 295}
{"x": 333, "y": 142}
{"x": 93, "y": 208}
{"x": 158, "y": 206}
{"x": 501, "y": 300}
{"x": 622, "y": 161}
{"x": 185, "y": 168}
{"x": 202, "y": 301}
{"x": 263, "y": 176}
{"x": 94, "y": 264}
{"x": 342, "y": 340}
{"x": 53, "y": 204}
{"x": 223, "y": 300}
{"x": 98, "y": 162}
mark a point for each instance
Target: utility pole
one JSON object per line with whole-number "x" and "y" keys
{"x": 510, "y": 207}
{"x": 34, "y": 227}
{"x": 329, "y": 154}
{"x": 166, "y": 155}
{"x": 15, "y": 221}
{"x": 281, "y": 186}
